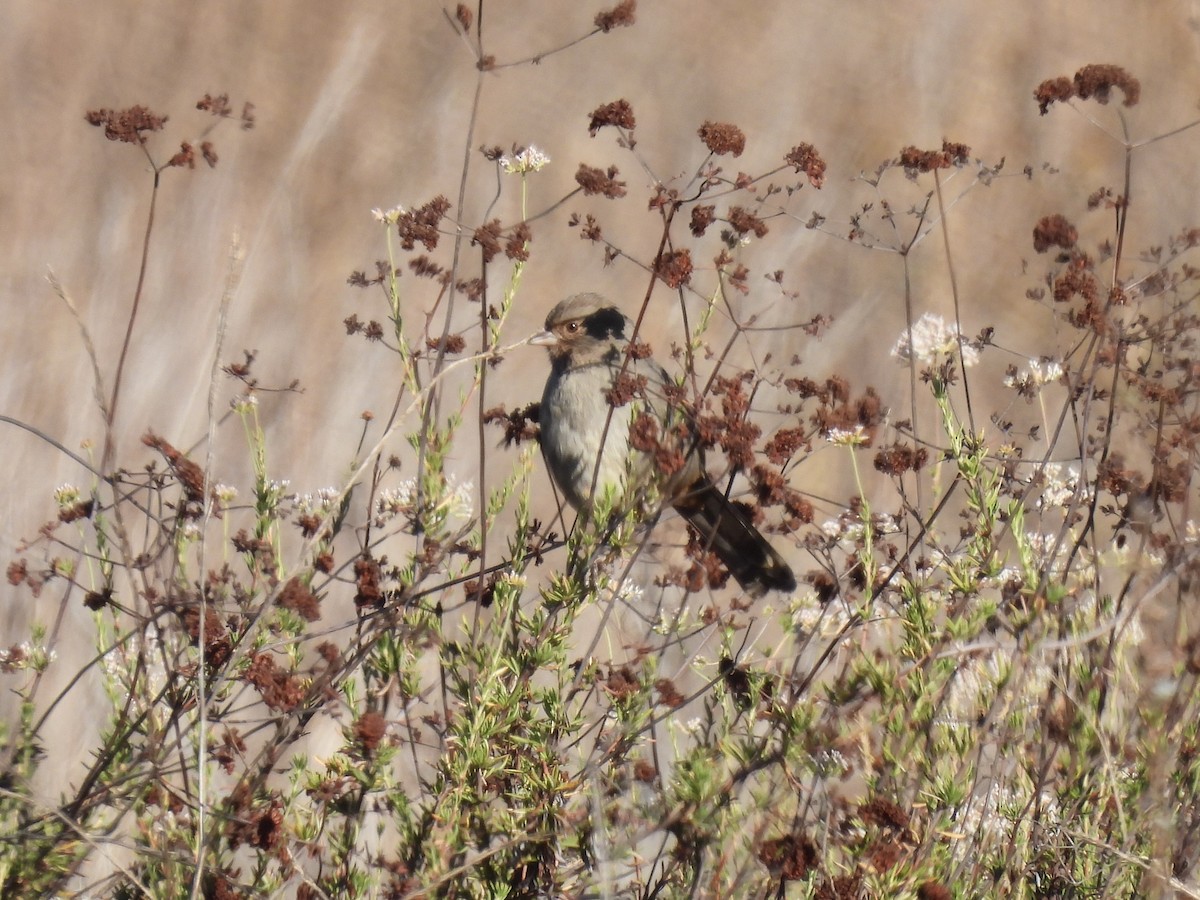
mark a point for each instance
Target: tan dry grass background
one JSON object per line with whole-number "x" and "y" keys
{"x": 365, "y": 104}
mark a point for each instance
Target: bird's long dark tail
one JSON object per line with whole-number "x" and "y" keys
{"x": 727, "y": 529}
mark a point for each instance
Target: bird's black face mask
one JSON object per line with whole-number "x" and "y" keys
{"x": 605, "y": 324}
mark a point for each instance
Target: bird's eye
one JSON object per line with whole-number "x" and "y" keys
{"x": 572, "y": 327}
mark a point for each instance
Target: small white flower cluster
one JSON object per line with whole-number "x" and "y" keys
{"x": 531, "y": 159}
{"x": 226, "y": 494}
{"x": 400, "y": 500}
{"x": 243, "y": 403}
{"x": 830, "y": 763}
{"x": 842, "y": 437}
{"x": 1061, "y": 483}
{"x": 811, "y": 616}
{"x": 848, "y": 527}
{"x": 319, "y": 503}
{"x": 26, "y": 656}
{"x": 66, "y": 496}
{"x": 277, "y": 488}
{"x": 1039, "y": 372}
{"x": 628, "y": 592}
{"x": 931, "y": 340}
{"x": 388, "y": 216}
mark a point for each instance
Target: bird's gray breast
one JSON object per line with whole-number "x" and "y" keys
{"x": 574, "y": 412}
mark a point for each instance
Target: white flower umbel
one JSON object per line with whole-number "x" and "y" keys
{"x": 531, "y": 159}
{"x": 400, "y": 500}
{"x": 66, "y": 496}
{"x": 846, "y": 437}
{"x": 388, "y": 216}
{"x": 1062, "y": 481}
{"x": 321, "y": 503}
{"x": 931, "y": 341}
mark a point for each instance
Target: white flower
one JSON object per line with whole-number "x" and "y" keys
{"x": 243, "y": 403}
{"x": 531, "y": 159}
{"x": 400, "y": 500}
{"x": 1045, "y": 370}
{"x": 66, "y": 496}
{"x": 1061, "y": 482}
{"x": 885, "y": 523}
{"x": 1039, "y": 372}
{"x": 320, "y": 503}
{"x": 845, "y": 438}
{"x": 388, "y": 216}
{"x": 931, "y": 340}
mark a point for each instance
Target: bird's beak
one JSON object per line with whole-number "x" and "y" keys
{"x": 544, "y": 339}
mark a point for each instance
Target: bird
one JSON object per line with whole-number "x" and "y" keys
{"x": 588, "y": 341}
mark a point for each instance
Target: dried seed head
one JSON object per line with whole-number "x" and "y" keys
{"x": 721, "y": 138}
{"x": 622, "y": 15}
{"x": 618, "y": 114}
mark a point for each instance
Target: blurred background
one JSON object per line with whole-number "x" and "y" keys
{"x": 366, "y": 104}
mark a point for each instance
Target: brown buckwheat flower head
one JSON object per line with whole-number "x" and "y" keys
{"x": 619, "y": 114}
{"x": 1054, "y": 231}
{"x": 806, "y": 159}
{"x": 297, "y": 597}
{"x": 1053, "y": 90}
{"x": 517, "y": 245}
{"x": 487, "y": 236}
{"x": 721, "y": 138}
{"x": 1097, "y": 81}
{"x": 898, "y": 458}
{"x": 126, "y": 125}
{"x": 1090, "y": 82}
{"x": 743, "y": 222}
{"x": 622, "y": 15}
{"x": 674, "y": 268}
{"x": 951, "y": 154}
{"x": 597, "y": 181}
{"x": 702, "y": 217}
{"x": 789, "y": 858}
{"x": 369, "y": 731}
{"x": 420, "y": 225}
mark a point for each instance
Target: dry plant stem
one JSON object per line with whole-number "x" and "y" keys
{"x": 42, "y": 436}
{"x": 109, "y": 433}
{"x": 232, "y": 275}
{"x": 945, "y": 222}
{"x": 433, "y": 404}
{"x": 482, "y": 446}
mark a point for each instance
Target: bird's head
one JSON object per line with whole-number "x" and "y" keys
{"x": 583, "y": 328}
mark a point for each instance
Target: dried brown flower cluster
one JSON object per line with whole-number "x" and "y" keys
{"x": 299, "y": 598}
{"x": 618, "y": 114}
{"x": 279, "y": 689}
{"x": 674, "y": 267}
{"x": 806, "y": 159}
{"x": 1054, "y": 231}
{"x": 1091, "y": 82}
{"x": 722, "y": 138}
{"x": 519, "y": 425}
{"x": 598, "y": 181}
{"x": 922, "y": 161}
{"x": 622, "y": 15}
{"x": 420, "y": 225}
{"x": 129, "y": 126}
{"x": 220, "y": 107}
